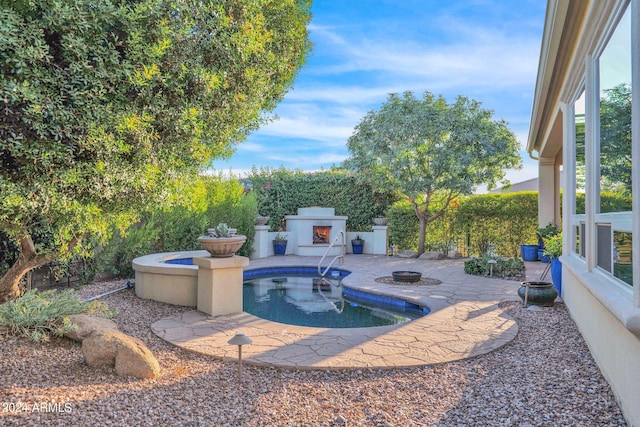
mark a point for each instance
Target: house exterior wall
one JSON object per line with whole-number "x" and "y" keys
{"x": 605, "y": 308}
{"x": 615, "y": 349}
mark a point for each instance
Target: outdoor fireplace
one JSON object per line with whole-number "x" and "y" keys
{"x": 321, "y": 234}
{"x": 313, "y": 229}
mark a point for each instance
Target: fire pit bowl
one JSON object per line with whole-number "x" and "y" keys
{"x": 406, "y": 276}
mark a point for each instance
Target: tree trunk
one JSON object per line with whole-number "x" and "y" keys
{"x": 10, "y": 282}
{"x": 423, "y": 234}
{"x": 422, "y": 212}
{"x": 27, "y": 261}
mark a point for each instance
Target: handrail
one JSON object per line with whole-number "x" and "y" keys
{"x": 341, "y": 235}
{"x": 333, "y": 304}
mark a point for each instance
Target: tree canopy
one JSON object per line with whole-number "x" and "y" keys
{"x": 428, "y": 149}
{"x": 103, "y": 101}
{"x": 615, "y": 138}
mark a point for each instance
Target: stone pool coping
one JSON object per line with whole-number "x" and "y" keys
{"x": 465, "y": 321}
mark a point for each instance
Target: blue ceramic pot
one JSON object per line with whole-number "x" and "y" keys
{"x": 542, "y": 257}
{"x": 556, "y": 274}
{"x": 279, "y": 247}
{"x": 529, "y": 252}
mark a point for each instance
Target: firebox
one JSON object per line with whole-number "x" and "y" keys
{"x": 321, "y": 234}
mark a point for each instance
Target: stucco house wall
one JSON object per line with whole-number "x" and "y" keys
{"x": 604, "y": 304}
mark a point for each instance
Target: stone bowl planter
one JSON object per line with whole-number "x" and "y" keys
{"x": 380, "y": 221}
{"x": 407, "y": 276}
{"x": 262, "y": 220}
{"x": 222, "y": 247}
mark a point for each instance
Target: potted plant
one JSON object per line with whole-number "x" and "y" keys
{"x": 222, "y": 241}
{"x": 544, "y": 233}
{"x": 357, "y": 245}
{"x": 553, "y": 249}
{"x": 280, "y": 243}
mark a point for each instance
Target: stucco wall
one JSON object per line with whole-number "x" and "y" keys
{"x": 615, "y": 349}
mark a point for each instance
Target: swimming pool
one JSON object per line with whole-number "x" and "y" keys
{"x": 291, "y": 295}
{"x": 298, "y": 296}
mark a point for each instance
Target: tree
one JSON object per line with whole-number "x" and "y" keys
{"x": 615, "y": 138}
{"x": 428, "y": 150}
{"x": 104, "y": 101}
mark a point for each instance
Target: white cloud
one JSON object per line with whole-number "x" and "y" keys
{"x": 312, "y": 161}
{"x": 253, "y": 147}
{"x": 478, "y": 56}
{"x": 332, "y": 125}
{"x": 354, "y": 67}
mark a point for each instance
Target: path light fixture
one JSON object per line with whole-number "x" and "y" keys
{"x": 491, "y": 263}
{"x": 240, "y": 340}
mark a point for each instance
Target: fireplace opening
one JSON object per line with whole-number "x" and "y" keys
{"x": 321, "y": 234}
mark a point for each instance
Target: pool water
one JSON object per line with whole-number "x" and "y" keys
{"x": 298, "y": 296}
{"x": 304, "y": 299}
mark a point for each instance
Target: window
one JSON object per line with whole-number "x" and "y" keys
{"x": 580, "y": 159}
{"x": 580, "y": 175}
{"x": 614, "y": 216}
{"x": 604, "y": 247}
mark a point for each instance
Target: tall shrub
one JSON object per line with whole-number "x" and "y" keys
{"x": 281, "y": 192}
{"x": 404, "y": 226}
{"x": 104, "y": 102}
{"x": 196, "y": 206}
{"x": 474, "y": 224}
{"x": 498, "y": 221}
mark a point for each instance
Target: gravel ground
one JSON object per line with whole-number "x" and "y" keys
{"x": 545, "y": 377}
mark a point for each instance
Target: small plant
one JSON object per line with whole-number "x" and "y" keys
{"x": 553, "y": 246}
{"x": 504, "y": 267}
{"x": 221, "y": 230}
{"x": 548, "y": 231}
{"x": 280, "y": 236}
{"x": 38, "y": 315}
{"x": 358, "y": 237}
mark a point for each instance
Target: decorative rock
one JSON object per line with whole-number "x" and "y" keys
{"x": 407, "y": 254}
{"x": 87, "y": 325}
{"x": 455, "y": 255}
{"x": 432, "y": 255}
{"x": 127, "y": 354}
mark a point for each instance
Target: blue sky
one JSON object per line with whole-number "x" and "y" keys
{"x": 363, "y": 50}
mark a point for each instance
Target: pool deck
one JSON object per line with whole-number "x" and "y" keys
{"x": 465, "y": 321}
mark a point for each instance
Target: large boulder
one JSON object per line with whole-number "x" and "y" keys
{"x": 432, "y": 255}
{"x": 407, "y": 254}
{"x": 127, "y": 354}
{"x": 87, "y": 325}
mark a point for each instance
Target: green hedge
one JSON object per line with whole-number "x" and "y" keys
{"x": 281, "y": 192}
{"x": 503, "y": 220}
{"x": 198, "y": 205}
{"x": 404, "y": 226}
{"x": 474, "y": 224}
